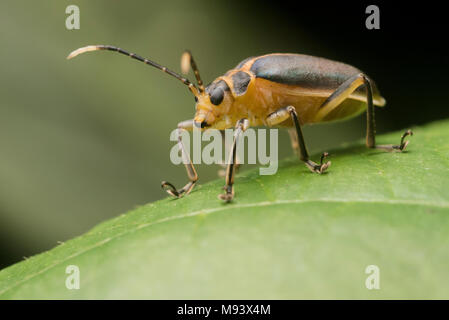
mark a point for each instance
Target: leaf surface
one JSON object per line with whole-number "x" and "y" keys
{"x": 291, "y": 235}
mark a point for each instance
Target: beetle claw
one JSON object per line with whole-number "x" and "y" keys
{"x": 405, "y": 143}
{"x": 170, "y": 189}
{"x": 398, "y": 148}
{"x": 228, "y": 196}
{"x": 323, "y": 167}
{"x": 177, "y": 193}
{"x": 319, "y": 168}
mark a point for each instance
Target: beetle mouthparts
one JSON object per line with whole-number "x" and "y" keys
{"x": 200, "y": 124}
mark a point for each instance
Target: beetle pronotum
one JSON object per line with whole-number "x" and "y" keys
{"x": 286, "y": 90}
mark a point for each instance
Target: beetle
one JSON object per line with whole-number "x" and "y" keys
{"x": 279, "y": 89}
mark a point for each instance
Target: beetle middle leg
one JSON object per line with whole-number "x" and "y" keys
{"x": 298, "y": 143}
{"x": 241, "y": 127}
{"x": 343, "y": 92}
{"x": 191, "y": 172}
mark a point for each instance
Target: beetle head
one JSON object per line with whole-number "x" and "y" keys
{"x": 212, "y": 104}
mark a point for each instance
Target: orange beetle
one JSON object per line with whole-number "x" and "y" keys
{"x": 279, "y": 89}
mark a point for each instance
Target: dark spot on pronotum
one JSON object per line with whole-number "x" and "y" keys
{"x": 240, "y": 80}
{"x": 216, "y": 91}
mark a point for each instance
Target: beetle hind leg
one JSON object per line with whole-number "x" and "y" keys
{"x": 371, "y": 125}
{"x": 342, "y": 93}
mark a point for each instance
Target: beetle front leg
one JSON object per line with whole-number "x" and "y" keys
{"x": 191, "y": 172}
{"x": 298, "y": 143}
{"x": 241, "y": 127}
{"x": 222, "y": 172}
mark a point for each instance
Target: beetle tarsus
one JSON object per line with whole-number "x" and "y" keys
{"x": 323, "y": 157}
{"x": 403, "y": 142}
{"x": 398, "y": 148}
{"x": 228, "y": 195}
{"x": 171, "y": 189}
{"x": 319, "y": 168}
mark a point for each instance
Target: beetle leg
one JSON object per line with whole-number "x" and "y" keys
{"x": 241, "y": 127}
{"x": 343, "y": 92}
{"x": 191, "y": 172}
{"x": 222, "y": 172}
{"x": 297, "y": 139}
{"x": 401, "y": 146}
{"x": 371, "y": 125}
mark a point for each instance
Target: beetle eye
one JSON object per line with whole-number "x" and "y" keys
{"x": 216, "y": 96}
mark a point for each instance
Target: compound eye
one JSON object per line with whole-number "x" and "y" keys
{"x": 216, "y": 96}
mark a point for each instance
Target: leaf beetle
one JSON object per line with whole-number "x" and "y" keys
{"x": 279, "y": 89}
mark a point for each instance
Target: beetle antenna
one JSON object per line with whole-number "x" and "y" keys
{"x": 79, "y": 51}
{"x": 187, "y": 61}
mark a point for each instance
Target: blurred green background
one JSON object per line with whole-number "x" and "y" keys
{"x": 87, "y": 139}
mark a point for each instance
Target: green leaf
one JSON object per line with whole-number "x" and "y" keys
{"x": 290, "y": 235}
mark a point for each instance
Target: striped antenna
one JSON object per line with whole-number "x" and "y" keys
{"x": 187, "y": 62}
{"x": 79, "y": 51}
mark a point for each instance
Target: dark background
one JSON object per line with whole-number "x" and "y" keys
{"x": 86, "y": 140}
